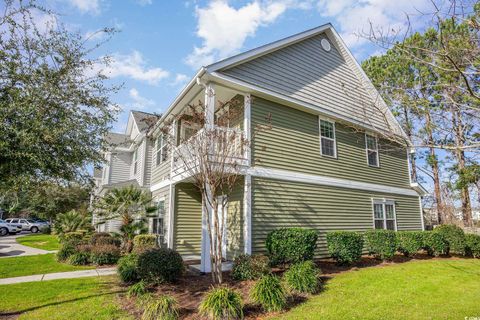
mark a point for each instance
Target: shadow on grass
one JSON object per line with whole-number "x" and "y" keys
{"x": 57, "y": 303}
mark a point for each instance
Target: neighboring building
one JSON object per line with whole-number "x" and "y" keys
{"x": 322, "y": 165}
{"x": 128, "y": 160}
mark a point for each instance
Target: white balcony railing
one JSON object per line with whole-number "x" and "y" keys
{"x": 222, "y": 145}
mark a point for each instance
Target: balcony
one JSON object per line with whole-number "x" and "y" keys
{"x": 217, "y": 148}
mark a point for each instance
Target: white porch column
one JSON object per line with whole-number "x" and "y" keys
{"x": 209, "y": 104}
{"x": 247, "y": 214}
{"x": 171, "y": 215}
{"x": 247, "y": 126}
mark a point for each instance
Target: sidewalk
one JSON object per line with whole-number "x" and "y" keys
{"x": 60, "y": 275}
{"x": 9, "y": 247}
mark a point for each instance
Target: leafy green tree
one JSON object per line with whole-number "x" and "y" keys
{"x": 55, "y": 107}
{"x": 129, "y": 204}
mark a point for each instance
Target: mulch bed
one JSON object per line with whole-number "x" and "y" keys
{"x": 191, "y": 288}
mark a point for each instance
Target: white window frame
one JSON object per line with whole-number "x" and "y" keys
{"x": 135, "y": 161}
{"x": 161, "y": 150}
{"x": 384, "y": 203}
{"x": 367, "y": 149}
{"x": 161, "y": 215}
{"x": 320, "y": 119}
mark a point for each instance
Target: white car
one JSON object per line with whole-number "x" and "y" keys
{"x": 27, "y": 224}
{"x": 6, "y": 228}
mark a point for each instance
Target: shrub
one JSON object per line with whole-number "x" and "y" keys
{"x": 71, "y": 238}
{"x": 163, "y": 307}
{"x": 454, "y": 236}
{"x": 345, "y": 247}
{"x": 127, "y": 268}
{"x": 435, "y": 243}
{"x": 302, "y": 277}
{"x": 222, "y": 303}
{"x": 246, "y": 267}
{"x": 136, "y": 290}
{"x": 79, "y": 259}
{"x": 46, "y": 230}
{"x": 97, "y": 235}
{"x": 290, "y": 245}
{"x": 65, "y": 251}
{"x": 144, "y": 242}
{"x": 382, "y": 244}
{"x": 159, "y": 265}
{"x": 409, "y": 242}
{"x": 103, "y": 238}
{"x": 269, "y": 293}
{"x": 472, "y": 245}
{"x": 106, "y": 254}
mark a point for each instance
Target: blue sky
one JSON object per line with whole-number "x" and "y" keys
{"x": 162, "y": 43}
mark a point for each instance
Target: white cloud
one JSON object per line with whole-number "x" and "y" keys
{"x": 354, "y": 17}
{"x": 180, "y": 79}
{"x": 134, "y": 66}
{"x": 86, "y": 6}
{"x": 139, "y": 102}
{"x": 224, "y": 28}
{"x": 144, "y": 2}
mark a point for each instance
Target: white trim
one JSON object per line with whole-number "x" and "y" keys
{"x": 327, "y": 181}
{"x": 171, "y": 216}
{"x": 384, "y": 202}
{"x": 320, "y": 119}
{"x": 421, "y": 213}
{"x": 247, "y": 214}
{"x": 262, "y": 50}
{"x": 247, "y": 118}
{"x": 210, "y": 104}
{"x": 367, "y": 149}
{"x": 160, "y": 185}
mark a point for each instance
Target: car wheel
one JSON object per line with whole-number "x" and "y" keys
{"x": 3, "y": 231}
{"x": 34, "y": 230}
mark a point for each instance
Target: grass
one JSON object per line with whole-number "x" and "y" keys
{"x": 429, "y": 289}
{"x": 40, "y": 241}
{"x": 84, "y": 298}
{"x": 29, "y": 265}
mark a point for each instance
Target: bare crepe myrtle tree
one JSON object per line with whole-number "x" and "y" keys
{"x": 212, "y": 157}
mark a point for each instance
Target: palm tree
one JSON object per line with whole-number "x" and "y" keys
{"x": 71, "y": 221}
{"x": 132, "y": 205}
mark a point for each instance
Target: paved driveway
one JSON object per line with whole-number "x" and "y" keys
{"x": 10, "y": 248}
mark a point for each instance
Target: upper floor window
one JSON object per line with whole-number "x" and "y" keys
{"x": 327, "y": 139}
{"x": 135, "y": 161}
{"x": 161, "y": 149}
{"x": 384, "y": 214}
{"x": 371, "y": 144}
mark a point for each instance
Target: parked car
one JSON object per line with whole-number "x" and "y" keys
{"x": 27, "y": 224}
{"x": 6, "y": 228}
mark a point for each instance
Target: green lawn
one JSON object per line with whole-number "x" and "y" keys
{"x": 431, "y": 289}
{"x": 41, "y": 241}
{"x": 84, "y": 298}
{"x": 39, "y": 264}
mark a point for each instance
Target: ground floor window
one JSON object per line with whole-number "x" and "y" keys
{"x": 158, "y": 223}
{"x": 384, "y": 214}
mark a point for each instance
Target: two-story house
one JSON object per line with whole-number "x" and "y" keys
{"x": 128, "y": 158}
{"x": 325, "y": 163}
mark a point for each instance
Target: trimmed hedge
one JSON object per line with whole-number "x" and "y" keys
{"x": 291, "y": 245}
{"x": 106, "y": 254}
{"x": 472, "y": 245}
{"x": 246, "y": 267}
{"x": 454, "y": 236}
{"x": 409, "y": 242}
{"x": 435, "y": 243}
{"x": 156, "y": 266}
{"x": 345, "y": 247}
{"x": 382, "y": 244}
{"x": 144, "y": 242}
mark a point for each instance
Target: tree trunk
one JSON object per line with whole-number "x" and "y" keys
{"x": 457, "y": 122}
{"x": 437, "y": 192}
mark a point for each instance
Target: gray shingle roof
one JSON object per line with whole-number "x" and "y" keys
{"x": 117, "y": 139}
{"x": 144, "y": 120}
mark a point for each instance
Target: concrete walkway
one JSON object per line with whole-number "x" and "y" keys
{"x": 60, "y": 275}
{"x": 9, "y": 247}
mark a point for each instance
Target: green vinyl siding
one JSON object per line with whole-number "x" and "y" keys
{"x": 278, "y": 204}
{"x": 293, "y": 143}
{"x": 188, "y": 219}
{"x": 235, "y": 221}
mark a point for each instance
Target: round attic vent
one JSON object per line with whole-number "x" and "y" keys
{"x": 325, "y": 45}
